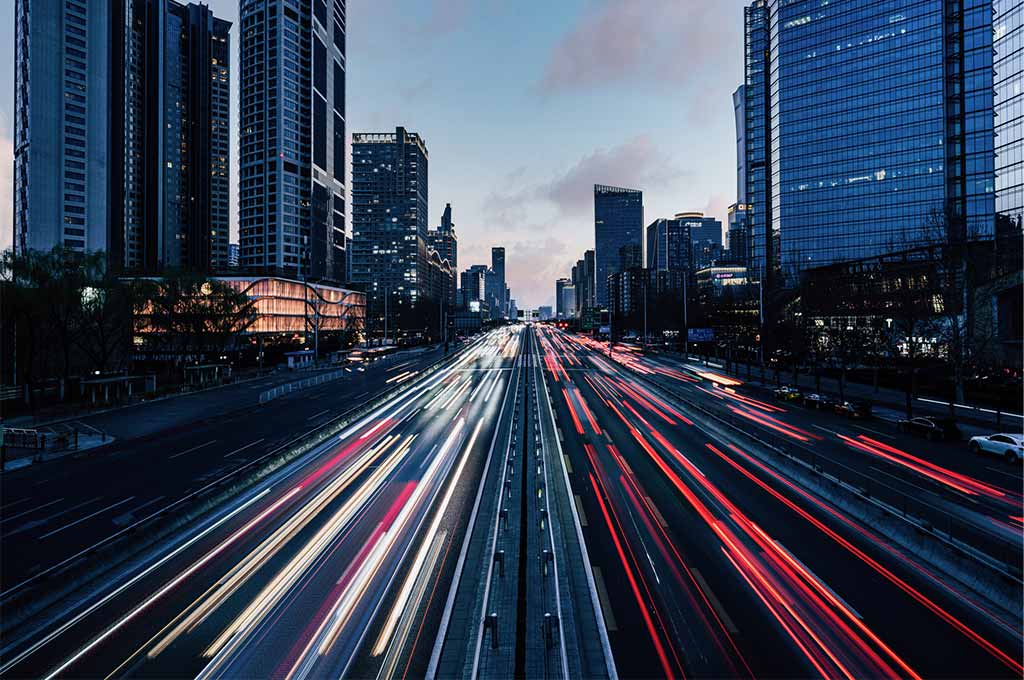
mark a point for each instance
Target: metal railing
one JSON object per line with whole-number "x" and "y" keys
{"x": 288, "y": 388}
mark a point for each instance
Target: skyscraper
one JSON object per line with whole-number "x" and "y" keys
{"x": 389, "y": 222}
{"x": 739, "y": 105}
{"x": 121, "y": 128}
{"x": 618, "y": 222}
{"x": 444, "y": 240}
{"x": 560, "y": 286}
{"x": 175, "y": 146}
{"x": 500, "y": 299}
{"x": 63, "y": 96}
{"x": 874, "y": 120}
{"x": 291, "y": 215}
{"x": 670, "y": 244}
{"x": 1009, "y": 115}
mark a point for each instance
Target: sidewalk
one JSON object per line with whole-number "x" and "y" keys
{"x": 19, "y": 458}
{"x": 894, "y": 400}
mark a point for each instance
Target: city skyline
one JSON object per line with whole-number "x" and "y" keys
{"x": 518, "y": 188}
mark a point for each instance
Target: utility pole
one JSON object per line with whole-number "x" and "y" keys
{"x": 645, "y": 309}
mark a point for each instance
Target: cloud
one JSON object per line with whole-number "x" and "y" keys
{"x": 636, "y": 163}
{"x": 655, "y": 42}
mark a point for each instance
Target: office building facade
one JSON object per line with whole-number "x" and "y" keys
{"x": 121, "y": 132}
{"x": 618, "y": 223}
{"x": 62, "y": 105}
{"x": 1009, "y": 115}
{"x": 560, "y": 285}
{"x": 291, "y": 215}
{"x": 867, "y": 123}
{"x": 670, "y": 244}
{"x": 389, "y": 221}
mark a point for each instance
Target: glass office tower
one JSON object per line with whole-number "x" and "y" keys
{"x": 872, "y": 130}
{"x": 618, "y": 223}
{"x": 1009, "y": 115}
{"x": 291, "y": 214}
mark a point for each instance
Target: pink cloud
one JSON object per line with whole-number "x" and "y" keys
{"x": 663, "y": 42}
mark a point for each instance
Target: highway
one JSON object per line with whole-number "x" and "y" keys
{"x": 336, "y": 563}
{"x": 712, "y": 563}
{"x": 55, "y": 511}
{"x": 647, "y": 526}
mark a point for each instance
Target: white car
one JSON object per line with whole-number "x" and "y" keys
{"x": 1009, "y": 446}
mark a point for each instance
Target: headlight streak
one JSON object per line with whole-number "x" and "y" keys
{"x": 150, "y": 600}
{"x": 401, "y": 601}
{"x": 340, "y": 608}
{"x": 228, "y": 585}
{"x": 233, "y": 636}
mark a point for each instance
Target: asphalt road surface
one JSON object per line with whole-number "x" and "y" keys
{"x": 329, "y": 565}
{"x": 714, "y": 565}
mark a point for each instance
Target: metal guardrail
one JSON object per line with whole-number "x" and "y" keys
{"x": 288, "y": 388}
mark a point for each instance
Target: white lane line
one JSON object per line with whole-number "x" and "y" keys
{"x": 8, "y": 506}
{"x": 25, "y": 512}
{"x": 249, "y": 445}
{"x": 40, "y": 522}
{"x": 194, "y": 448}
{"x": 317, "y": 415}
{"x": 82, "y": 519}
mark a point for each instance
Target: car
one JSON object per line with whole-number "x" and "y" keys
{"x": 1009, "y": 446}
{"x": 787, "y": 393}
{"x": 815, "y": 400}
{"x": 853, "y": 408}
{"x": 930, "y": 427}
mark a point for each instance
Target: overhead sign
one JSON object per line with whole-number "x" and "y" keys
{"x": 700, "y": 334}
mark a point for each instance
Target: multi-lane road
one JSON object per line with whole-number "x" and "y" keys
{"x": 647, "y": 492}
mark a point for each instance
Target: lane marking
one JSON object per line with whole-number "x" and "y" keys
{"x": 194, "y": 448}
{"x": 715, "y": 602}
{"x": 317, "y": 415}
{"x": 602, "y": 595}
{"x": 579, "y": 510}
{"x": 25, "y": 512}
{"x": 249, "y": 445}
{"x": 657, "y": 513}
{"x": 82, "y": 519}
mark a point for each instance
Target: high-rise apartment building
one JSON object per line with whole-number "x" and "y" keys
{"x": 121, "y": 126}
{"x": 389, "y": 222}
{"x": 866, "y": 123}
{"x": 618, "y": 223}
{"x": 739, "y": 106}
{"x": 174, "y": 141}
{"x": 472, "y": 285}
{"x": 291, "y": 216}
{"x": 738, "y": 235}
{"x": 64, "y": 92}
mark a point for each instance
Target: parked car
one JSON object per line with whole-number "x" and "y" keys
{"x": 1009, "y": 446}
{"x": 815, "y": 400}
{"x": 931, "y": 428}
{"x": 787, "y": 393}
{"x": 853, "y": 408}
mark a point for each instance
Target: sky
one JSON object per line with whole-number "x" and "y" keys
{"x": 524, "y": 106}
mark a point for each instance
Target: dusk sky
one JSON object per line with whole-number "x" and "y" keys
{"x": 524, "y": 106}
